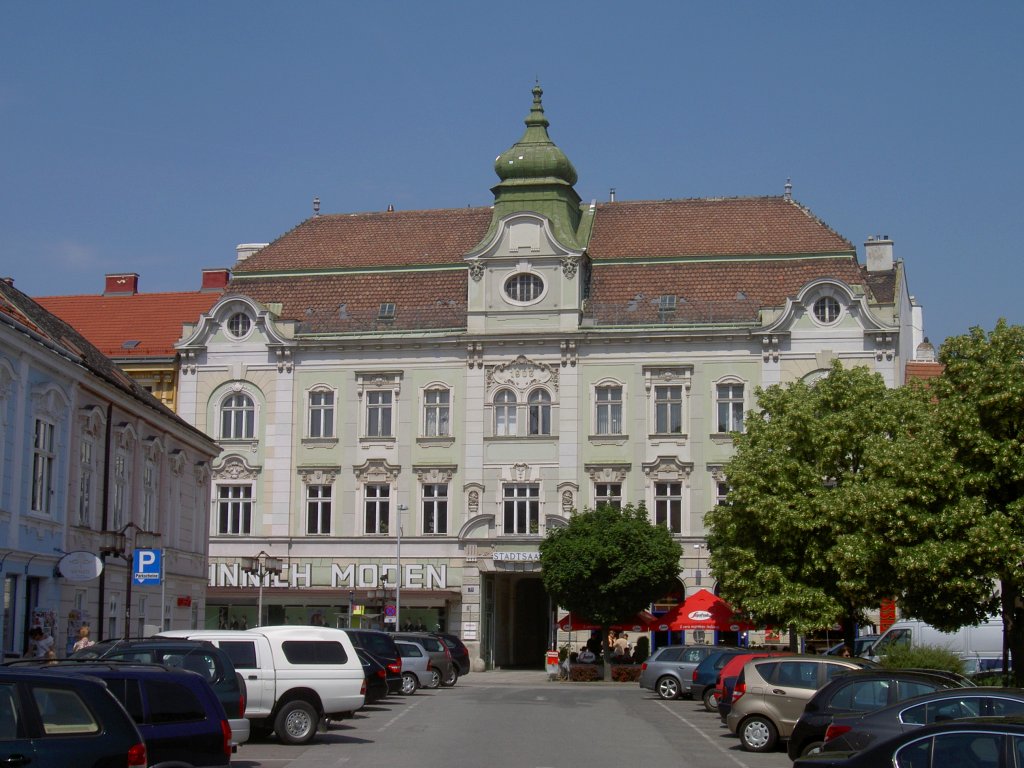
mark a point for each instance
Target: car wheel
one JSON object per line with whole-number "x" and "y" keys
{"x": 710, "y": 699}
{"x": 758, "y": 734}
{"x": 409, "y": 683}
{"x": 812, "y": 748}
{"x": 296, "y": 722}
{"x": 667, "y": 687}
{"x": 435, "y": 678}
{"x": 451, "y": 678}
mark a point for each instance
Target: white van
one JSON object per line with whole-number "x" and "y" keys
{"x": 976, "y": 645}
{"x": 296, "y": 677}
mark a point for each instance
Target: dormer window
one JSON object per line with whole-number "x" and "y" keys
{"x": 239, "y": 325}
{"x": 387, "y": 311}
{"x": 826, "y": 310}
{"x": 524, "y": 287}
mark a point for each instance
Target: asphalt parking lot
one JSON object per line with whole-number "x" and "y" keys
{"x": 517, "y": 719}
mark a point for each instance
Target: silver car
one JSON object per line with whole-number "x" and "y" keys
{"x": 416, "y": 667}
{"x": 669, "y": 670}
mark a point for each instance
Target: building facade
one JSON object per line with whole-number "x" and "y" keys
{"x": 86, "y": 454}
{"x": 408, "y": 402}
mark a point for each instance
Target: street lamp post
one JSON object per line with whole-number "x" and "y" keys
{"x": 116, "y": 543}
{"x": 398, "y": 587}
{"x": 261, "y": 566}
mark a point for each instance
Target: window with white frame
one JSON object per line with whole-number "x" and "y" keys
{"x": 435, "y": 508}
{"x": 321, "y": 413}
{"x": 608, "y": 403}
{"x": 237, "y": 417}
{"x": 377, "y": 507}
{"x": 668, "y": 410}
{"x": 378, "y": 413}
{"x": 668, "y": 506}
{"x": 826, "y": 310}
{"x": 436, "y": 412}
{"x": 721, "y": 492}
{"x": 86, "y": 469}
{"x": 730, "y": 407}
{"x": 609, "y": 494}
{"x": 234, "y": 510}
{"x": 43, "y": 459}
{"x": 539, "y": 406}
{"x": 505, "y": 406}
{"x": 318, "y": 510}
{"x": 521, "y": 508}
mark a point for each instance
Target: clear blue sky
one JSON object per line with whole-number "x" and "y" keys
{"x": 153, "y": 137}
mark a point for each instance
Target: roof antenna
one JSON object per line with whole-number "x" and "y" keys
{"x": 788, "y": 194}
{"x": 316, "y": 206}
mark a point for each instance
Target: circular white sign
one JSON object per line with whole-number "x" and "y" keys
{"x": 80, "y": 566}
{"x": 700, "y": 615}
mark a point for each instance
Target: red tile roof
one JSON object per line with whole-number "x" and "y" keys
{"x": 152, "y": 319}
{"x": 742, "y": 226}
{"x": 359, "y": 240}
{"x": 707, "y": 292}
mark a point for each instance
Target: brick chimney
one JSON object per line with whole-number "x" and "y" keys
{"x": 121, "y": 283}
{"x": 216, "y": 279}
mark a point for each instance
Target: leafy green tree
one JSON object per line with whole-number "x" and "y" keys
{"x": 981, "y": 405}
{"x": 608, "y": 564}
{"x": 830, "y": 508}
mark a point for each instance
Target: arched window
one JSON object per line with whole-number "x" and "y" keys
{"x": 826, "y": 310}
{"x": 237, "y": 417}
{"x": 505, "y": 413}
{"x": 540, "y": 412}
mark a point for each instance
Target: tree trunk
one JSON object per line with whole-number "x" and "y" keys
{"x": 1013, "y": 631}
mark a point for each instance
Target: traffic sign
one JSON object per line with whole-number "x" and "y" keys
{"x": 146, "y": 566}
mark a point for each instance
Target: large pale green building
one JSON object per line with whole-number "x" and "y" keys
{"x": 467, "y": 378}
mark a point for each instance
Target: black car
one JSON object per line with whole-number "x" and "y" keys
{"x": 851, "y": 733}
{"x": 56, "y": 721}
{"x": 194, "y": 655}
{"x": 380, "y": 645}
{"x": 705, "y": 675}
{"x": 177, "y": 712}
{"x": 376, "y": 676}
{"x": 862, "y": 690}
{"x": 458, "y": 650}
{"x": 981, "y": 743}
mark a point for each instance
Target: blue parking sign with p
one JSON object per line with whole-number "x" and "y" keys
{"x": 146, "y": 566}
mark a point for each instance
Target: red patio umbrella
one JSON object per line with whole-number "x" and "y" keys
{"x": 641, "y": 622}
{"x": 702, "y": 610}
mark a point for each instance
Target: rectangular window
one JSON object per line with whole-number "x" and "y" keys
{"x": 730, "y": 407}
{"x": 378, "y": 414}
{"x": 321, "y": 414}
{"x": 668, "y": 506}
{"x": 435, "y": 508}
{"x": 721, "y": 491}
{"x": 609, "y": 494}
{"x": 85, "y": 483}
{"x": 539, "y": 412}
{"x": 609, "y": 410}
{"x": 668, "y": 410}
{"x": 120, "y": 500}
{"x": 234, "y": 510}
{"x": 377, "y": 507}
{"x": 436, "y": 404}
{"x": 318, "y": 510}
{"x": 522, "y": 509}
{"x": 43, "y": 458}
{"x": 150, "y": 494}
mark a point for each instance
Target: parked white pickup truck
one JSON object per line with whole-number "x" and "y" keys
{"x": 297, "y": 678}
